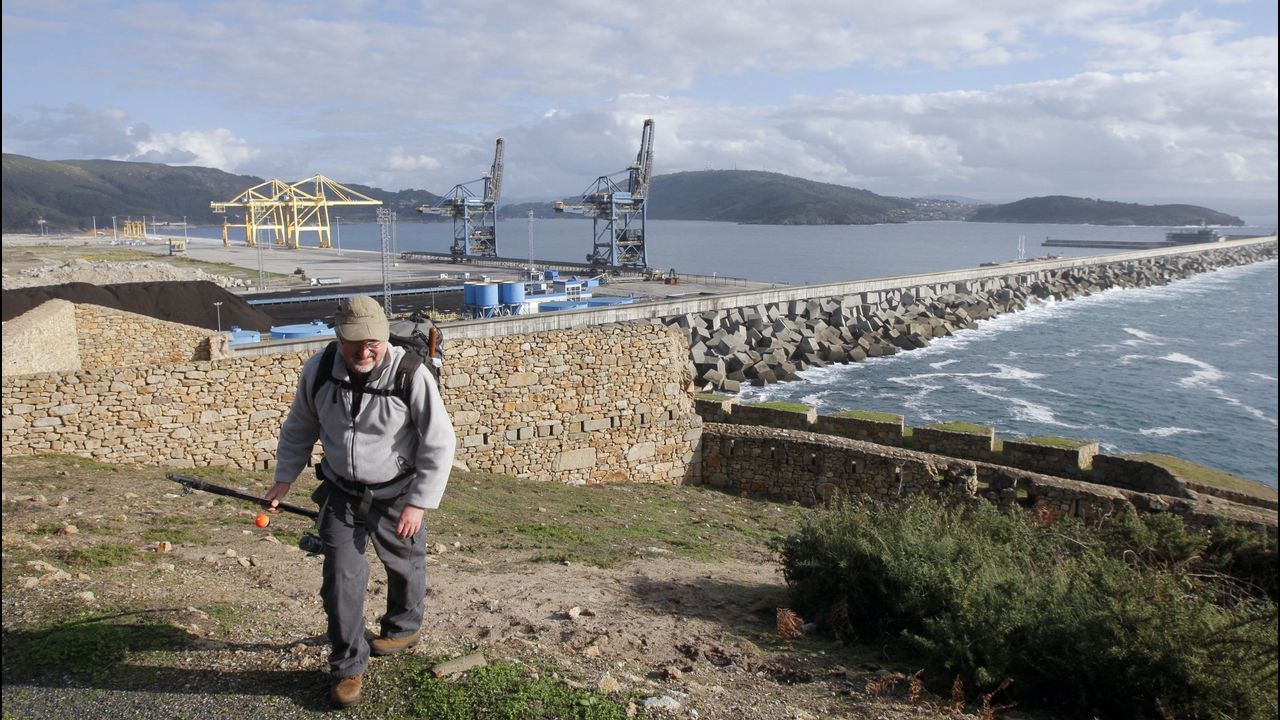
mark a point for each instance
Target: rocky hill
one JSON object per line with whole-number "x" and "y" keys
{"x": 70, "y": 194}
{"x": 1074, "y": 210}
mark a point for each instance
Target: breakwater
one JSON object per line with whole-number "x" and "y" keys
{"x": 768, "y": 342}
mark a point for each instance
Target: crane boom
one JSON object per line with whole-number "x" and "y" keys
{"x": 494, "y": 187}
{"x": 621, "y": 209}
{"x": 475, "y": 218}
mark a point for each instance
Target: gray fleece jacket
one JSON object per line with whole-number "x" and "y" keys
{"x": 378, "y": 444}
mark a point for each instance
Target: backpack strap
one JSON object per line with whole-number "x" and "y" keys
{"x": 401, "y": 387}
{"x": 325, "y": 372}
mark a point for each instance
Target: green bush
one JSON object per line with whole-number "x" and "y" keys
{"x": 1077, "y": 619}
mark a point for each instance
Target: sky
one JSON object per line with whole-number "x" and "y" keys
{"x": 1130, "y": 100}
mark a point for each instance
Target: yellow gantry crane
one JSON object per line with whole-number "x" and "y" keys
{"x": 287, "y": 210}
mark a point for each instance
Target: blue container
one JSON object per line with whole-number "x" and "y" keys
{"x": 593, "y": 282}
{"x": 550, "y": 274}
{"x": 486, "y": 295}
{"x": 469, "y": 293}
{"x": 244, "y": 337}
{"x": 557, "y": 305}
{"x": 511, "y": 293}
{"x": 315, "y": 328}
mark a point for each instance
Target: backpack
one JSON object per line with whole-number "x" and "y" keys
{"x": 423, "y": 344}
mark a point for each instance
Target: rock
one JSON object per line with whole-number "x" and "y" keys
{"x": 664, "y": 703}
{"x": 164, "y": 547}
{"x": 68, "y": 530}
{"x": 608, "y": 685}
{"x": 86, "y": 597}
{"x": 458, "y": 665}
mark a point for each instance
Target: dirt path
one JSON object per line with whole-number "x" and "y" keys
{"x": 227, "y": 622}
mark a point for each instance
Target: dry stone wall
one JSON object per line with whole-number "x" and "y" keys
{"x": 809, "y": 468}
{"x": 602, "y": 404}
{"x": 41, "y": 340}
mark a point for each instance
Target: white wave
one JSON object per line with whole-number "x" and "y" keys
{"x": 1236, "y": 343}
{"x": 1205, "y": 376}
{"x": 942, "y": 364}
{"x": 1168, "y": 431}
{"x": 1142, "y": 337}
{"x": 1264, "y": 376}
{"x": 1127, "y": 359}
{"x": 1245, "y": 407}
{"x": 1009, "y": 372}
{"x": 1020, "y": 408}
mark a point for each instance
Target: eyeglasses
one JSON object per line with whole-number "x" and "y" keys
{"x": 361, "y": 344}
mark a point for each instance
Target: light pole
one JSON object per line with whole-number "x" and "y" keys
{"x": 217, "y": 306}
{"x": 338, "y": 235}
{"x": 113, "y": 228}
{"x": 184, "y": 230}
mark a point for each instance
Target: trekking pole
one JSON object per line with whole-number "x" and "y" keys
{"x": 195, "y": 483}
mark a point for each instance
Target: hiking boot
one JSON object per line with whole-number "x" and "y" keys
{"x": 393, "y": 646}
{"x": 346, "y": 691}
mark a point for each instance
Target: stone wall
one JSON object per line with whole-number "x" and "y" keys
{"x": 974, "y": 445}
{"x": 809, "y": 468}
{"x": 881, "y": 432}
{"x": 1064, "y": 461}
{"x": 42, "y": 339}
{"x": 110, "y": 338}
{"x": 602, "y": 404}
{"x": 1016, "y": 459}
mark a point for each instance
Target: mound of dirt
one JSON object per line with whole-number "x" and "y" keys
{"x": 188, "y": 303}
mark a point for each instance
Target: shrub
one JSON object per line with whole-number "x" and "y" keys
{"x": 979, "y": 595}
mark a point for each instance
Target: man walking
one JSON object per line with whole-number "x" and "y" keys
{"x": 388, "y": 447}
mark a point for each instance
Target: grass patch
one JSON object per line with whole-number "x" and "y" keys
{"x": 783, "y": 406}
{"x": 713, "y": 397}
{"x": 499, "y": 691}
{"x": 87, "y": 647}
{"x": 1057, "y": 442}
{"x": 1196, "y": 473}
{"x": 227, "y": 615}
{"x": 870, "y": 415}
{"x": 175, "y": 531}
{"x": 959, "y": 427}
{"x": 1138, "y": 618}
{"x": 102, "y": 555}
{"x": 605, "y": 525}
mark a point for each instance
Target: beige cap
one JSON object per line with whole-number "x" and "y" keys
{"x": 361, "y": 318}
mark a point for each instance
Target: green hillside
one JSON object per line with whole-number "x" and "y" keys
{"x": 769, "y": 198}
{"x": 1073, "y": 210}
{"x": 68, "y": 194}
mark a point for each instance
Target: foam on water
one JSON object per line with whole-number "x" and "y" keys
{"x": 1167, "y": 431}
{"x": 1205, "y": 376}
{"x": 1141, "y": 338}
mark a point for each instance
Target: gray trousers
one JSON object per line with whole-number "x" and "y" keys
{"x": 346, "y": 575}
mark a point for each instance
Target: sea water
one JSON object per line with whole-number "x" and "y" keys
{"x": 1185, "y": 369}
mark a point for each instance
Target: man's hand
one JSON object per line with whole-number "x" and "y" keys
{"x": 410, "y": 521}
{"x": 275, "y": 495}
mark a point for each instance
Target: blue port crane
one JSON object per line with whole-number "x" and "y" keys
{"x": 617, "y": 210}
{"x": 474, "y": 216}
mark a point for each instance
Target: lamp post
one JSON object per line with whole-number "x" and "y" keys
{"x": 184, "y": 229}
{"x": 338, "y": 235}
{"x": 113, "y": 228}
{"x": 217, "y": 306}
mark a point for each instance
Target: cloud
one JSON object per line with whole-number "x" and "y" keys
{"x": 1110, "y": 98}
